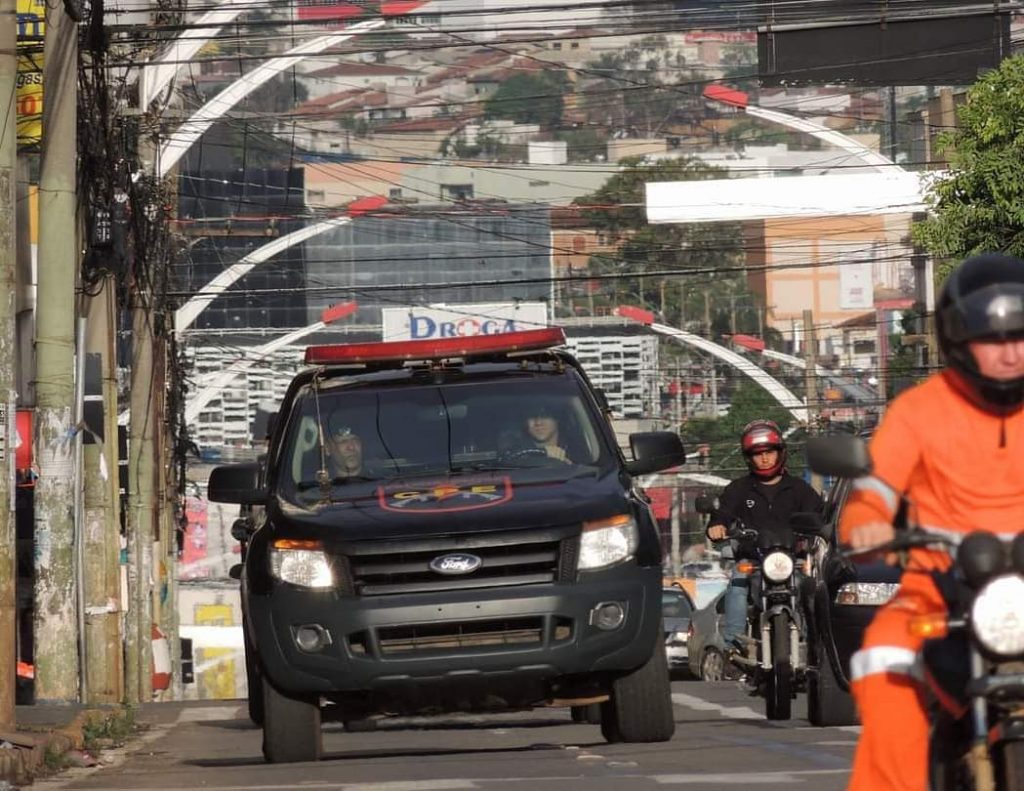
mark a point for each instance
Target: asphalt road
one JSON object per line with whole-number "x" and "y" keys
{"x": 722, "y": 741}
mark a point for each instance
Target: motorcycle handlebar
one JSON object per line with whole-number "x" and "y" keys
{"x": 908, "y": 539}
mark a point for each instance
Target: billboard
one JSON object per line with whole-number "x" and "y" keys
{"x": 31, "y": 26}
{"x": 950, "y": 43}
{"x": 457, "y": 321}
{"x": 891, "y": 192}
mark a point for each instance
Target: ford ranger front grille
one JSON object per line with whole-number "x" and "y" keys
{"x": 381, "y": 568}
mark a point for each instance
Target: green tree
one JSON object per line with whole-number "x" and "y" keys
{"x": 978, "y": 206}
{"x": 529, "y": 99}
{"x": 617, "y": 208}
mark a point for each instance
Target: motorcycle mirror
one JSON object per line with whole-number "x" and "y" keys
{"x": 705, "y": 504}
{"x": 839, "y": 455}
{"x": 241, "y": 529}
{"x": 235, "y": 572}
{"x": 809, "y": 523}
{"x": 981, "y": 556}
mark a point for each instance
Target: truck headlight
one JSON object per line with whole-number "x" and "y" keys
{"x": 871, "y": 594}
{"x": 607, "y": 542}
{"x": 302, "y": 563}
{"x": 997, "y": 615}
{"x": 777, "y": 566}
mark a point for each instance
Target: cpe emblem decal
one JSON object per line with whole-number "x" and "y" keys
{"x": 456, "y": 563}
{"x": 446, "y": 497}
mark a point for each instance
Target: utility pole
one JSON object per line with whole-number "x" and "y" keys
{"x": 56, "y": 632}
{"x": 891, "y": 142}
{"x": 8, "y": 358}
{"x": 682, "y": 304}
{"x": 676, "y": 518}
{"x": 881, "y": 319}
{"x": 141, "y": 502}
{"x": 811, "y": 384}
{"x": 101, "y": 507}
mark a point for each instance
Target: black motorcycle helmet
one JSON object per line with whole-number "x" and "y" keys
{"x": 983, "y": 299}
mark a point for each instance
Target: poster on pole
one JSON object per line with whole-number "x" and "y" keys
{"x": 856, "y": 285}
{"x": 31, "y": 26}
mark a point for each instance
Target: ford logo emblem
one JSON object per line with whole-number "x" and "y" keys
{"x": 456, "y": 563}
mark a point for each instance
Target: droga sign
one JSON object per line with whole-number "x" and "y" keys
{"x": 456, "y": 321}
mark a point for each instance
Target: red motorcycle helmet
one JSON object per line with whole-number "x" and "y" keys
{"x": 759, "y": 435}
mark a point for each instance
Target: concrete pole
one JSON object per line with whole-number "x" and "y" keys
{"x": 811, "y": 385}
{"x": 101, "y": 517}
{"x": 675, "y": 528}
{"x": 8, "y": 360}
{"x": 56, "y": 623}
{"x": 141, "y": 505}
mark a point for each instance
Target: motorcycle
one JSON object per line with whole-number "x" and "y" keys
{"x": 973, "y": 655}
{"x": 776, "y": 658}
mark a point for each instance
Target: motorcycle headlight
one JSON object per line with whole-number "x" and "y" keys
{"x": 997, "y": 615}
{"x": 607, "y": 542}
{"x": 871, "y": 594}
{"x": 777, "y": 566}
{"x": 302, "y": 563}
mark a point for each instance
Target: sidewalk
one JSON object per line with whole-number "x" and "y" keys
{"x": 48, "y": 738}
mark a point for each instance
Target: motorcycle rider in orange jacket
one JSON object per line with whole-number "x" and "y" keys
{"x": 953, "y": 447}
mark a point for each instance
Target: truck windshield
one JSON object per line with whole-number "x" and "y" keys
{"x": 374, "y": 434}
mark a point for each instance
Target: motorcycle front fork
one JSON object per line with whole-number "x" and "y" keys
{"x": 796, "y": 648}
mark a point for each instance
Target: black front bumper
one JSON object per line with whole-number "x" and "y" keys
{"x": 537, "y": 632}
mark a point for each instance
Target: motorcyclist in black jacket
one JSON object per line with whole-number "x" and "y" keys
{"x": 765, "y": 499}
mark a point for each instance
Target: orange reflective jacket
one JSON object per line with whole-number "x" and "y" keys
{"x": 962, "y": 468}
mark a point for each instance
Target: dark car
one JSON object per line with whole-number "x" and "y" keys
{"x": 455, "y": 565}
{"x": 846, "y": 599}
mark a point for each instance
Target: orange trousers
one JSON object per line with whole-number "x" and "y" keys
{"x": 887, "y": 683}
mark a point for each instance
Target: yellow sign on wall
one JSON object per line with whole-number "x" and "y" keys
{"x": 216, "y": 676}
{"x": 31, "y": 25}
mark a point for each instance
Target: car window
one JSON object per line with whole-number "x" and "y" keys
{"x": 450, "y": 428}
{"x": 675, "y": 605}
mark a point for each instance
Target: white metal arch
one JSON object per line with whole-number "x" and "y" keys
{"x": 214, "y": 386}
{"x": 181, "y": 140}
{"x": 852, "y": 146}
{"x": 775, "y": 388}
{"x": 187, "y": 313}
{"x": 158, "y": 75}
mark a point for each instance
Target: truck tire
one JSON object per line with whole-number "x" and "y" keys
{"x": 590, "y": 714}
{"x": 291, "y": 727}
{"x": 254, "y": 679}
{"x": 639, "y": 707}
{"x": 828, "y": 704}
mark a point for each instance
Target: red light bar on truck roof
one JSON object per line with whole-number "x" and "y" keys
{"x": 469, "y": 346}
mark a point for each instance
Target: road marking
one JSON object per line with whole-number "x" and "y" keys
{"x": 747, "y": 713}
{"x": 411, "y": 785}
{"x": 732, "y": 712}
{"x": 746, "y": 778}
